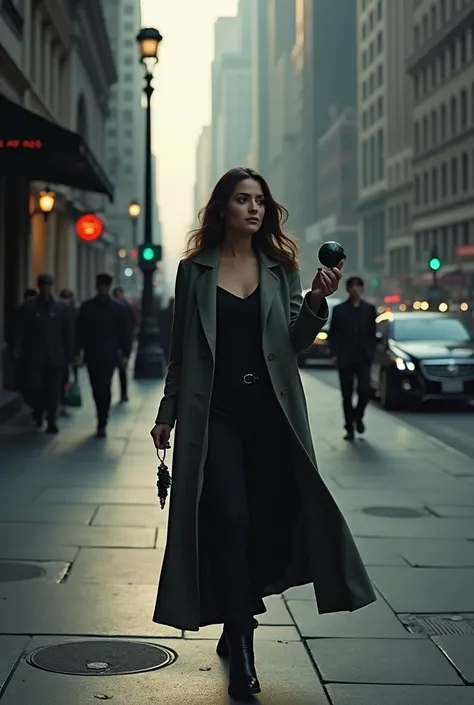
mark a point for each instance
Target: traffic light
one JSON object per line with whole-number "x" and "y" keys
{"x": 435, "y": 262}
{"x": 148, "y": 257}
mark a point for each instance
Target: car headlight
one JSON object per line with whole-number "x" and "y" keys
{"x": 403, "y": 365}
{"x": 322, "y": 335}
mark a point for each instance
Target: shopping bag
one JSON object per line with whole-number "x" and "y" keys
{"x": 73, "y": 397}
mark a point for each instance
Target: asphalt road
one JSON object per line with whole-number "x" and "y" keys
{"x": 452, "y": 425}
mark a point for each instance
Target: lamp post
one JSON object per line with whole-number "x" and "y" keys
{"x": 149, "y": 360}
{"x": 134, "y": 211}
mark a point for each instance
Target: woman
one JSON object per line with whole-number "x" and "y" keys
{"x": 250, "y": 515}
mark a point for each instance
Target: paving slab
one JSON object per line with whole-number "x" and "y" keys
{"x": 459, "y": 649}
{"x": 400, "y": 695}
{"x": 426, "y": 590}
{"x": 78, "y": 535}
{"x": 422, "y": 527}
{"x": 356, "y": 498}
{"x": 92, "y": 479}
{"x": 452, "y": 510}
{"x": 130, "y": 515}
{"x": 277, "y": 613}
{"x": 45, "y": 513}
{"x": 388, "y": 661}
{"x": 80, "y": 609}
{"x": 34, "y": 549}
{"x": 263, "y": 633}
{"x": 374, "y": 621}
{"x": 97, "y": 495}
{"x": 406, "y": 480}
{"x": 11, "y": 649}
{"x": 459, "y": 555}
{"x": 198, "y": 677}
{"x": 121, "y": 566}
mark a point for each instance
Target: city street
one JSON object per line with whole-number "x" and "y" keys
{"x": 81, "y": 543}
{"x": 451, "y": 424}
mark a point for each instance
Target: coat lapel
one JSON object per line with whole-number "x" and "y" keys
{"x": 206, "y": 289}
{"x": 269, "y": 283}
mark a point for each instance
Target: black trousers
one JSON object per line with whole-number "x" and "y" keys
{"x": 123, "y": 377}
{"x": 241, "y": 502}
{"x": 100, "y": 375}
{"x": 349, "y": 372}
{"x": 45, "y": 389}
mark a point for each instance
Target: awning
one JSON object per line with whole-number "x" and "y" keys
{"x": 44, "y": 151}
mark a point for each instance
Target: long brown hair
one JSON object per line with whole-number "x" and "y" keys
{"x": 270, "y": 239}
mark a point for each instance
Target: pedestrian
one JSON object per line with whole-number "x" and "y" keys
{"x": 119, "y": 295}
{"x": 44, "y": 340}
{"x": 67, "y": 296}
{"x": 103, "y": 340}
{"x": 250, "y": 515}
{"x": 165, "y": 323}
{"x": 352, "y": 340}
{"x": 20, "y": 369}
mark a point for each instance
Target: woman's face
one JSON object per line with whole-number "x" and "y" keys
{"x": 246, "y": 207}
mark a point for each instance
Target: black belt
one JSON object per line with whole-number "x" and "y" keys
{"x": 250, "y": 378}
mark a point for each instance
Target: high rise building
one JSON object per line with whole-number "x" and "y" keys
{"x": 384, "y": 103}
{"x": 203, "y": 185}
{"x": 125, "y": 138}
{"x": 259, "y": 78}
{"x": 442, "y": 67}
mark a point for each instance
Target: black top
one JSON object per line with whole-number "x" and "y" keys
{"x": 102, "y": 330}
{"x": 352, "y": 333}
{"x": 45, "y": 332}
{"x": 238, "y": 353}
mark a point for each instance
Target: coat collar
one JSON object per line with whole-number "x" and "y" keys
{"x": 206, "y": 289}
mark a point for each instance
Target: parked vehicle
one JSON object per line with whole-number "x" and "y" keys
{"x": 319, "y": 352}
{"x": 423, "y": 356}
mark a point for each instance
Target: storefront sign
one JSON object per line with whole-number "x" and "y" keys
{"x": 89, "y": 227}
{"x": 20, "y": 144}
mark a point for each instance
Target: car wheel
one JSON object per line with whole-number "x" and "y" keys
{"x": 388, "y": 399}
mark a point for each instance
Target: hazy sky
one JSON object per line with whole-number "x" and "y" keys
{"x": 181, "y": 102}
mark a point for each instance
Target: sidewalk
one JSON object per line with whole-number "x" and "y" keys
{"x": 81, "y": 542}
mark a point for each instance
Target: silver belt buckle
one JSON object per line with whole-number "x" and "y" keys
{"x": 250, "y": 379}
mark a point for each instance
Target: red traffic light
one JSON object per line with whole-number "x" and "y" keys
{"x": 134, "y": 253}
{"x": 89, "y": 227}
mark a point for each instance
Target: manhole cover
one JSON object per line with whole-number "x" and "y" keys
{"x": 438, "y": 624}
{"x": 13, "y": 572}
{"x": 395, "y": 512}
{"x": 101, "y": 658}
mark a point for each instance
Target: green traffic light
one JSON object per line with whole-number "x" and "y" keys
{"x": 148, "y": 253}
{"x": 435, "y": 264}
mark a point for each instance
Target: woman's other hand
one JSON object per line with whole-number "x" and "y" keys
{"x": 161, "y": 433}
{"x": 325, "y": 283}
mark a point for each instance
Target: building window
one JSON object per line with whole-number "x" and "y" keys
{"x": 365, "y": 161}
{"x": 128, "y": 10}
{"x": 463, "y": 48}
{"x": 434, "y": 185}
{"x": 380, "y": 75}
{"x": 128, "y": 60}
{"x": 417, "y": 137}
{"x": 379, "y": 43}
{"x": 463, "y": 109}
{"x": 443, "y": 121}
{"x": 128, "y": 96}
{"x": 128, "y": 77}
{"x": 465, "y": 233}
{"x": 454, "y": 176}
{"x": 434, "y": 128}
{"x": 444, "y": 180}
{"x": 426, "y": 188}
{"x": 128, "y": 152}
{"x": 379, "y": 10}
{"x": 465, "y": 172}
{"x": 417, "y": 36}
{"x": 442, "y": 10}
{"x": 452, "y": 57}
{"x": 381, "y": 156}
{"x": 433, "y": 19}
{"x": 417, "y": 190}
{"x": 112, "y": 132}
{"x": 453, "y": 115}
{"x": 128, "y": 27}
{"x": 127, "y": 116}
{"x": 425, "y": 133}
{"x": 380, "y": 107}
{"x": 425, "y": 28}
{"x": 442, "y": 67}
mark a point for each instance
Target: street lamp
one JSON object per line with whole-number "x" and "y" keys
{"x": 149, "y": 360}
{"x": 134, "y": 211}
{"x": 46, "y": 202}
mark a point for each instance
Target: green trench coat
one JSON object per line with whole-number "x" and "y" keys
{"x": 322, "y": 550}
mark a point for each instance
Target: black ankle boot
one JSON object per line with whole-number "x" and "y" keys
{"x": 222, "y": 649}
{"x": 243, "y": 680}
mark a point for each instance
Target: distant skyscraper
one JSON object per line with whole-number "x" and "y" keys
{"x": 203, "y": 185}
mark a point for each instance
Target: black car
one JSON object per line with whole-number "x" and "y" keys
{"x": 319, "y": 351}
{"x": 423, "y": 356}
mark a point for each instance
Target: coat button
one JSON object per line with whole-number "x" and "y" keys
{"x": 271, "y": 357}
{"x": 284, "y": 392}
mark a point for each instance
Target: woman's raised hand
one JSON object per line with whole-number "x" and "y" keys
{"x": 326, "y": 282}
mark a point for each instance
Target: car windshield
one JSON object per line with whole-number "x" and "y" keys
{"x": 430, "y": 329}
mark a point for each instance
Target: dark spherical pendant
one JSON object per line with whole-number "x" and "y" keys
{"x": 331, "y": 253}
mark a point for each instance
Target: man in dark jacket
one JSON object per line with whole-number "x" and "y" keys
{"x": 352, "y": 338}
{"x": 119, "y": 295}
{"x": 44, "y": 341}
{"x": 102, "y": 337}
